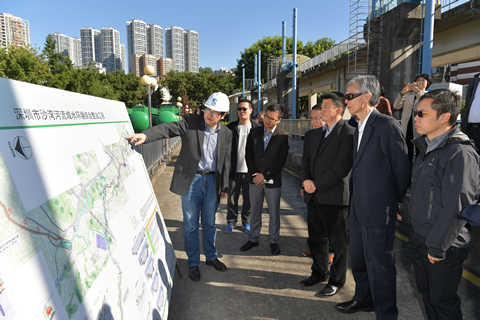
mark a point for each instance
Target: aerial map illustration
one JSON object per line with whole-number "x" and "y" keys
{"x": 82, "y": 234}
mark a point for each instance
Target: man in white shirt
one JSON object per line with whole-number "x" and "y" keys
{"x": 471, "y": 113}
{"x": 238, "y": 168}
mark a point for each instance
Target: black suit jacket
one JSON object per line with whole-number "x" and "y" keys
{"x": 329, "y": 167}
{"x": 381, "y": 171}
{"x": 271, "y": 161}
{"x": 192, "y": 132}
{"x": 233, "y": 126}
{"x": 472, "y": 88}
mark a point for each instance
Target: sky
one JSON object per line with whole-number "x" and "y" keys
{"x": 225, "y": 27}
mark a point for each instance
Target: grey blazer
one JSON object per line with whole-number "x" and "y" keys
{"x": 192, "y": 132}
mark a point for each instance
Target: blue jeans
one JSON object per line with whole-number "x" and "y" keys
{"x": 200, "y": 200}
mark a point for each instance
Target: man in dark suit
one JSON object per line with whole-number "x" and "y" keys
{"x": 471, "y": 113}
{"x": 380, "y": 177}
{"x": 200, "y": 176}
{"x": 238, "y": 168}
{"x": 266, "y": 154}
{"x": 327, "y": 161}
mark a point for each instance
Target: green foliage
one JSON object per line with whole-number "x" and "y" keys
{"x": 198, "y": 86}
{"x": 23, "y": 64}
{"x": 272, "y": 47}
{"x": 157, "y": 97}
{"x": 55, "y": 70}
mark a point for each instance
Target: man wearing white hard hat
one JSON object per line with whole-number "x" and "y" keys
{"x": 200, "y": 176}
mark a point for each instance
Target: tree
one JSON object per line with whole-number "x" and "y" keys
{"x": 60, "y": 66}
{"x": 197, "y": 86}
{"x": 157, "y": 97}
{"x": 272, "y": 47}
{"x": 23, "y": 64}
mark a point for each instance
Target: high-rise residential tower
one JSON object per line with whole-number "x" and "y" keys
{"x": 122, "y": 46}
{"x": 110, "y": 49}
{"x": 14, "y": 31}
{"x": 191, "y": 51}
{"x": 136, "y": 40}
{"x": 155, "y": 40}
{"x": 69, "y": 47}
{"x": 175, "y": 47}
{"x": 90, "y": 45}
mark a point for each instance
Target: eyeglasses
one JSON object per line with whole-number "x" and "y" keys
{"x": 351, "y": 96}
{"x": 214, "y": 113}
{"x": 243, "y": 109}
{"x": 270, "y": 118}
{"x": 316, "y": 118}
{"x": 421, "y": 113}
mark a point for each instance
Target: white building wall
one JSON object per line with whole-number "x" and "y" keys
{"x": 136, "y": 39}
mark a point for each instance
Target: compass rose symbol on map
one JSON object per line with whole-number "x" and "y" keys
{"x": 22, "y": 147}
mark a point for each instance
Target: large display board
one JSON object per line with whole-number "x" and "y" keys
{"x": 82, "y": 236}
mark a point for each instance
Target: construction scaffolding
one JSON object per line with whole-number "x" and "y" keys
{"x": 365, "y": 37}
{"x": 273, "y": 67}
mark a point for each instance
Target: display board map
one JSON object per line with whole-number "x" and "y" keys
{"x": 82, "y": 233}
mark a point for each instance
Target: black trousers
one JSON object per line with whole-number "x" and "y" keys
{"x": 373, "y": 266}
{"x": 474, "y": 134}
{"x": 327, "y": 225}
{"x": 236, "y": 185}
{"x": 438, "y": 282}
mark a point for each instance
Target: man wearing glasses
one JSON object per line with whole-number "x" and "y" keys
{"x": 266, "y": 154}
{"x": 380, "y": 177}
{"x": 238, "y": 168}
{"x": 200, "y": 176}
{"x": 445, "y": 180}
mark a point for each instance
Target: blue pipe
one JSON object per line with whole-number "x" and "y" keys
{"x": 428, "y": 37}
{"x": 243, "y": 82}
{"x": 294, "y": 69}
{"x": 259, "y": 81}
{"x": 284, "y": 43}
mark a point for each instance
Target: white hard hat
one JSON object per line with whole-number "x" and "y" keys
{"x": 218, "y": 102}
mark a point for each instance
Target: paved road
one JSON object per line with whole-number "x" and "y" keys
{"x": 259, "y": 285}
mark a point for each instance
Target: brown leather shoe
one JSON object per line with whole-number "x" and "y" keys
{"x": 307, "y": 253}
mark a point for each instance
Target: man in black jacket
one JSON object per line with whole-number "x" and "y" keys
{"x": 446, "y": 178}
{"x": 238, "y": 168}
{"x": 327, "y": 161}
{"x": 266, "y": 154}
{"x": 200, "y": 176}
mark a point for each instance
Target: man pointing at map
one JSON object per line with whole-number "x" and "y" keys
{"x": 200, "y": 176}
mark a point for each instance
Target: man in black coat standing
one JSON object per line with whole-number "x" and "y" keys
{"x": 266, "y": 154}
{"x": 381, "y": 174}
{"x": 326, "y": 164}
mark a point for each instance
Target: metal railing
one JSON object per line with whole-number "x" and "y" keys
{"x": 153, "y": 153}
{"x": 295, "y": 127}
{"x": 332, "y": 53}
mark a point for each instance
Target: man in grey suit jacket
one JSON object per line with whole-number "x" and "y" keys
{"x": 266, "y": 154}
{"x": 200, "y": 176}
{"x": 380, "y": 177}
{"x": 327, "y": 161}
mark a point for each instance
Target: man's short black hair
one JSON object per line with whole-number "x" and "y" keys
{"x": 338, "y": 99}
{"x": 245, "y": 101}
{"x": 275, "y": 107}
{"x": 426, "y": 77}
{"x": 445, "y": 101}
{"x": 318, "y": 107}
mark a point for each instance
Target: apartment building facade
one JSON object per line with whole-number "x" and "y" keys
{"x": 14, "y": 31}
{"x": 69, "y": 47}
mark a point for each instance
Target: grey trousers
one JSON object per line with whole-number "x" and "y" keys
{"x": 272, "y": 195}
